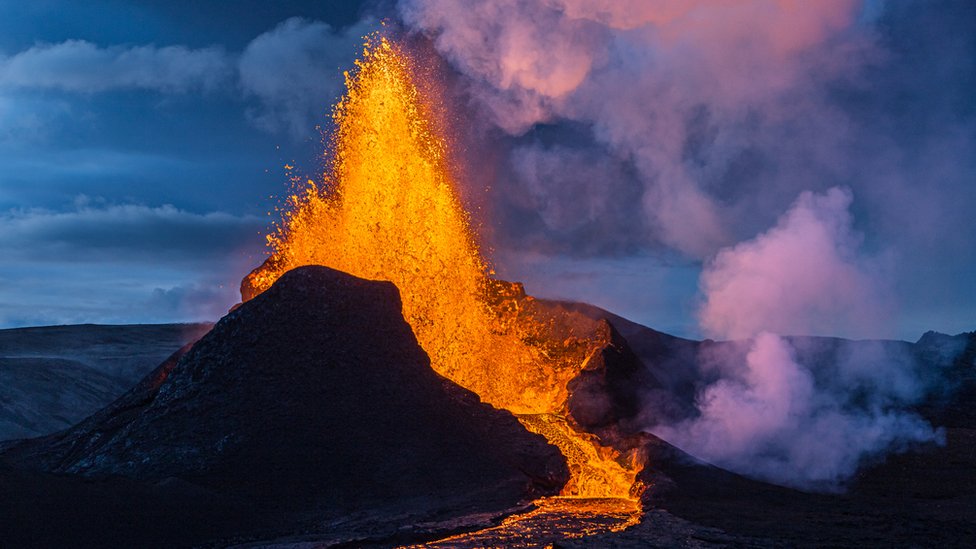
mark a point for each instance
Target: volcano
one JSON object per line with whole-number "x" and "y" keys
{"x": 314, "y": 392}
{"x": 401, "y": 394}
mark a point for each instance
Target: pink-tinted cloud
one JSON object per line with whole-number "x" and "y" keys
{"x": 766, "y": 415}
{"x": 803, "y": 277}
{"x": 635, "y": 72}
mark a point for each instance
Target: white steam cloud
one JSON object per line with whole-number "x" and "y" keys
{"x": 769, "y": 419}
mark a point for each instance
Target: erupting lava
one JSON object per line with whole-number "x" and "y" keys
{"x": 387, "y": 210}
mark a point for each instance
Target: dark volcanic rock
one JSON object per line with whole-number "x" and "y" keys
{"x": 922, "y": 499}
{"x": 669, "y": 375}
{"x": 314, "y": 390}
{"x": 607, "y": 392}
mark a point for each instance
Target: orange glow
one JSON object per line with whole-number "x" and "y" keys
{"x": 387, "y": 210}
{"x": 552, "y": 521}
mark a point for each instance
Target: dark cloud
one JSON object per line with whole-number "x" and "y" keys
{"x": 570, "y": 200}
{"x": 196, "y": 24}
{"x": 120, "y": 263}
{"x": 295, "y": 71}
{"x": 116, "y": 291}
{"x": 181, "y": 117}
{"x": 93, "y": 230}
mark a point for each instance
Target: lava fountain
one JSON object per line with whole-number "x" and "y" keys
{"x": 387, "y": 210}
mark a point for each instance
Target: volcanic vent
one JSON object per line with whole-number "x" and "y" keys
{"x": 387, "y": 210}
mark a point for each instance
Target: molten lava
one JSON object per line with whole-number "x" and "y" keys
{"x": 387, "y": 210}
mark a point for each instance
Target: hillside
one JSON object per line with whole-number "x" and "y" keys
{"x": 54, "y": 376}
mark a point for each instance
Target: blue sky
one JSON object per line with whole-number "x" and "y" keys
{"x": 142, "y": 145}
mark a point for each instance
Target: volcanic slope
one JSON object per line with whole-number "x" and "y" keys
{"x": 314, "y": 395}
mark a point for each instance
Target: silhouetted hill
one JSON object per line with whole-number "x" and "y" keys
{"x": 314, "y": 396}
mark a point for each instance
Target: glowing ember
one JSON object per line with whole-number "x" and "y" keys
{"x": 387, "y": 210}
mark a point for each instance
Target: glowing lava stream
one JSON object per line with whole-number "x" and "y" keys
{"x": 387, "y": 210}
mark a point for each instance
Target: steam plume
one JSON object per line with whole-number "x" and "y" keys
{"x": 544, "y": 61}
{"x": 700, "y": 122}
{"x": 803, "y": 276}
{"x": 770, "y": 416}
{"x": 688, "y": 128}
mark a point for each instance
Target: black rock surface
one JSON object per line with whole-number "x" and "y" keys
{"x": 608, "y": 390}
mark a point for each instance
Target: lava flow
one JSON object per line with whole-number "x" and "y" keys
{"x": 387, "y": 210}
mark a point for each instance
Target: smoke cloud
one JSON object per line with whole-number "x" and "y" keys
{"x": 812, "y": 157}
{"x": 687, "y": 80}
{"x": 768, "y": 416}
{"x": 702, "y": 121}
